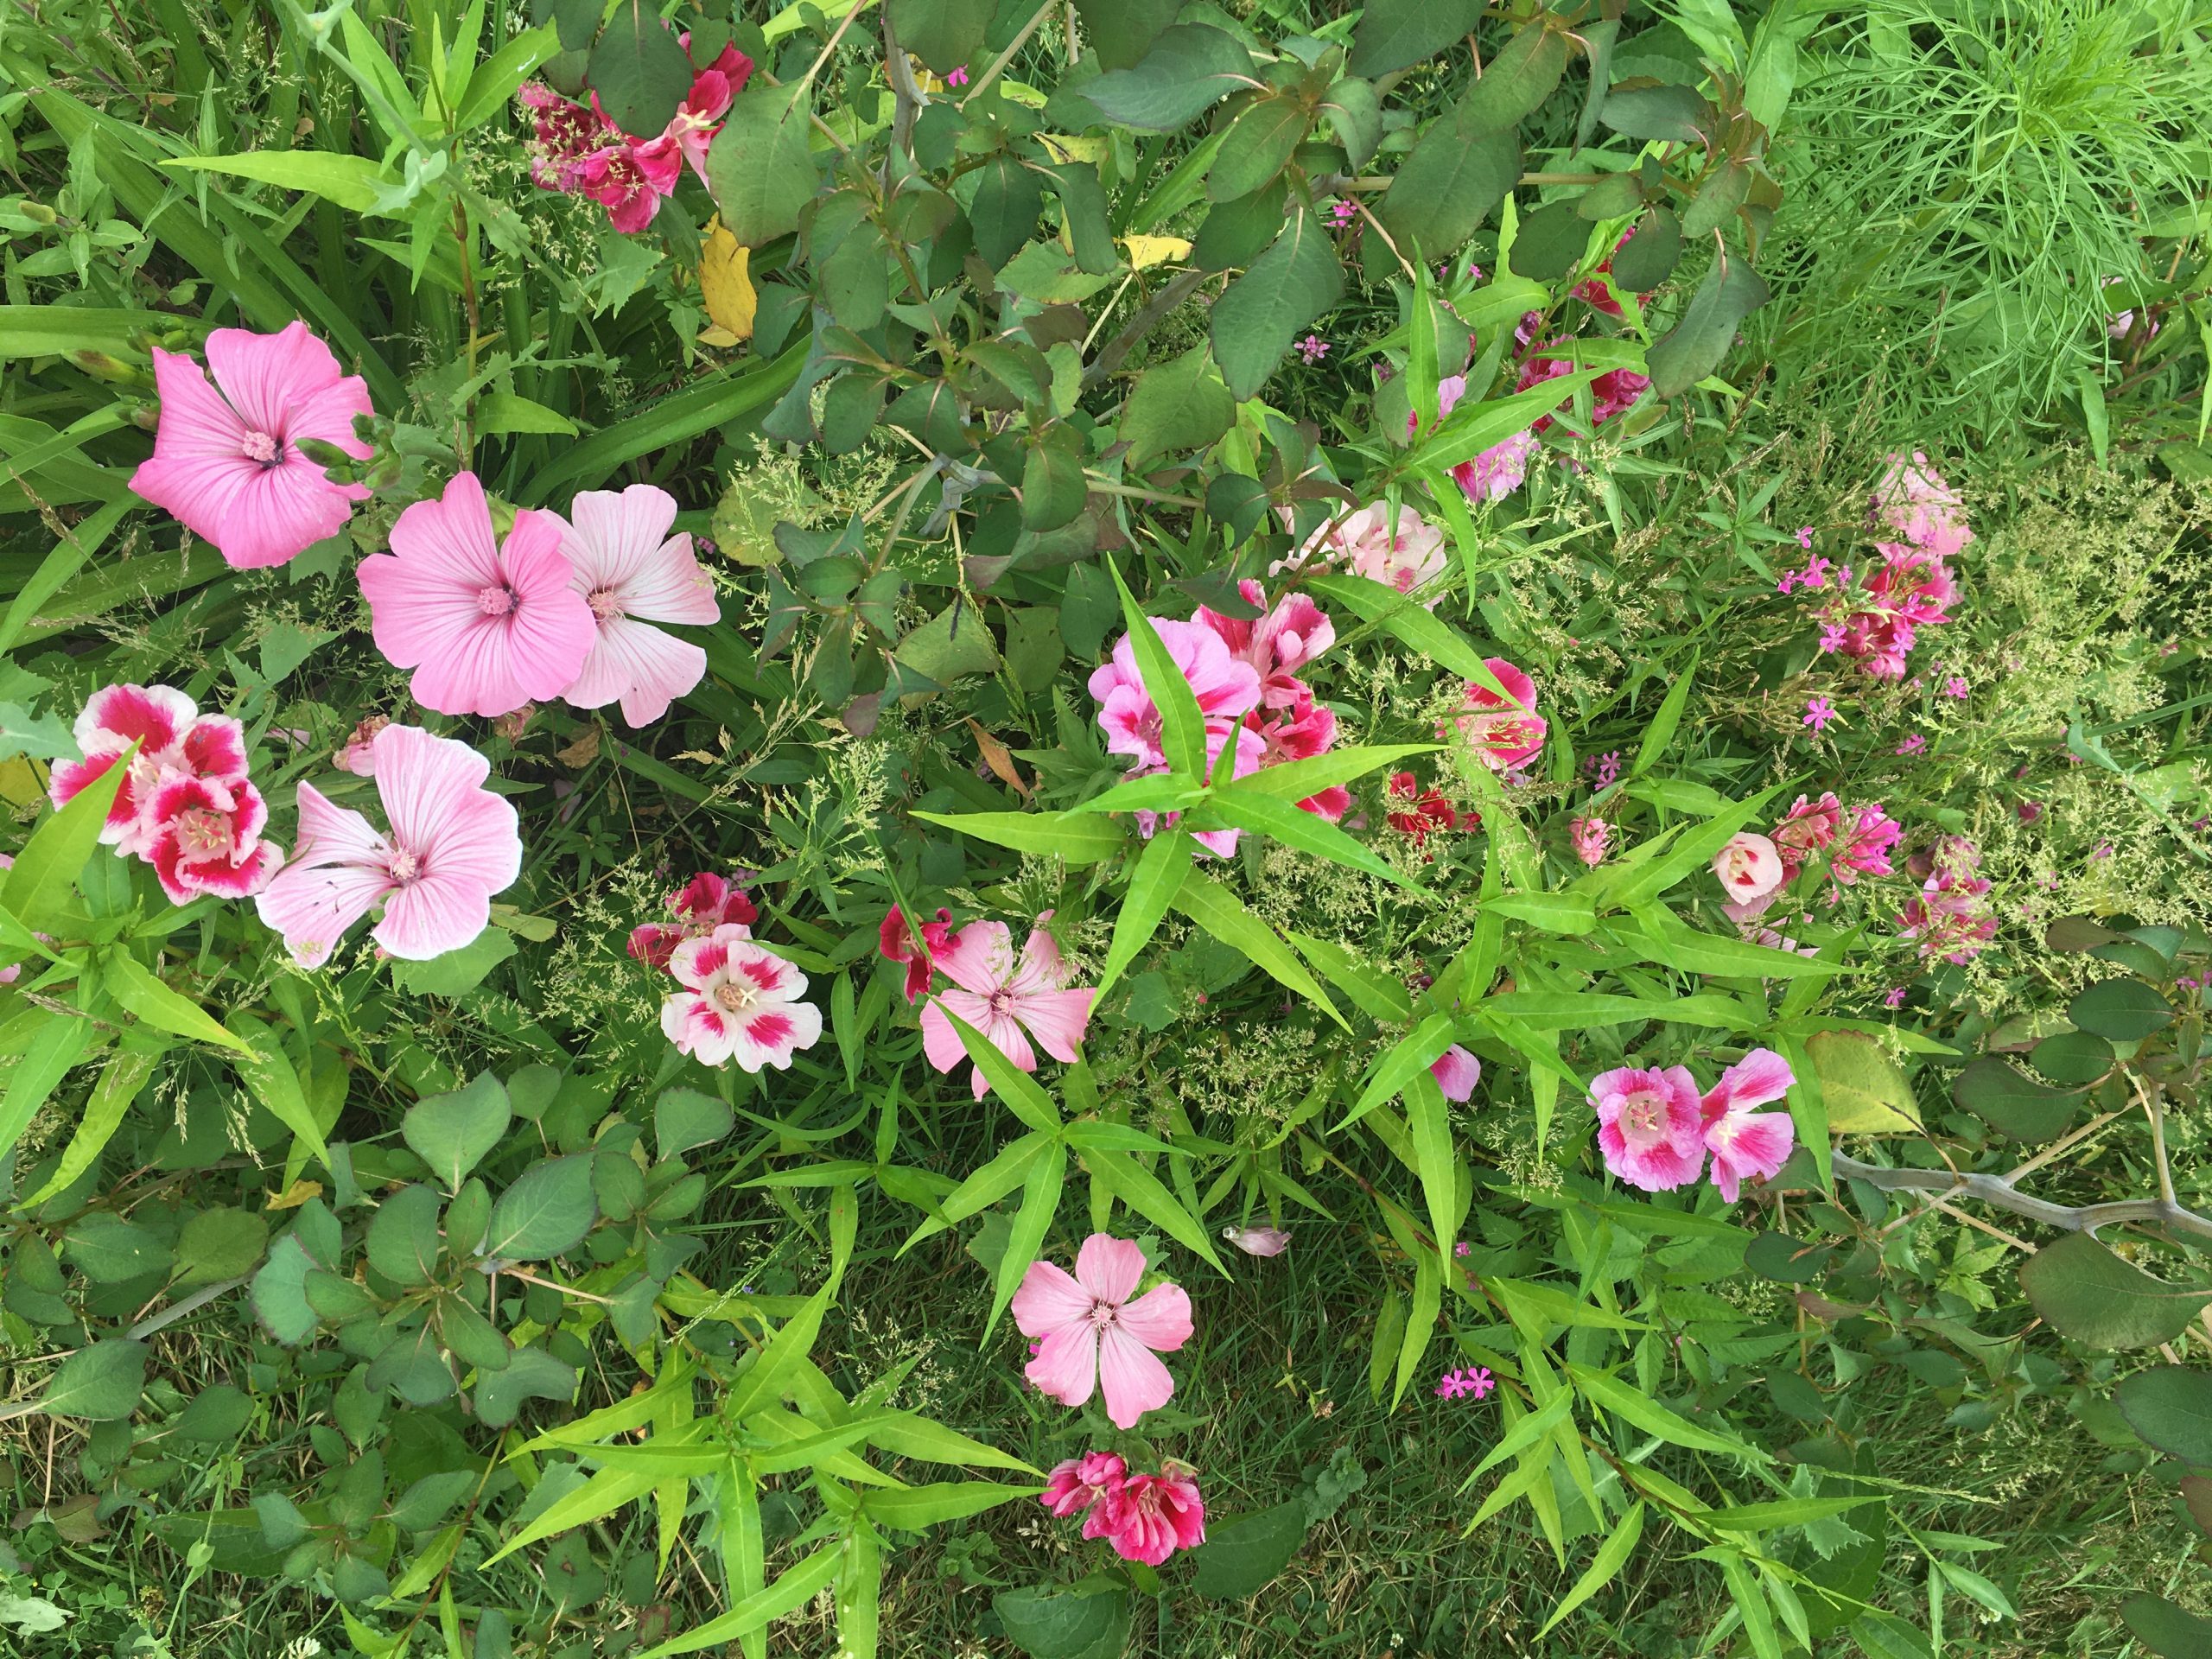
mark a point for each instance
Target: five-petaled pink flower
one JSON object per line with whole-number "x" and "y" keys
{"x": 453, "y": 844}
{"x": 486, "y": 624}
{"x": 226, "y": 457}
{"x": 1008, "y": 998}
{"x": 1650, "y": 1126}
{"x": 174, "y": 740}
{"x": 1502, "y": 731}
{"x": 1152, "y": 1517}
{"x": 1819, "y": 711}
{"x": 1475, "y": 1380}
{"x": 1741, "y": 1141}
{"x": 740, "y": 1002}
{"x": 1096, "y": 1336}
{"x": 632, "y": 573}
{"x": 1392, "y": 545}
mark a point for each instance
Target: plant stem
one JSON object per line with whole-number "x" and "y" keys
{"x": 1998, "y": 1190}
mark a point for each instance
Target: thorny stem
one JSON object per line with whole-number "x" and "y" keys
{"x": 1998, "y": 1190}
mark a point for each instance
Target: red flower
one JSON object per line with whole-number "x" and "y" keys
{"x": 896, "y": 944}
{"x": 1420, "y": 809}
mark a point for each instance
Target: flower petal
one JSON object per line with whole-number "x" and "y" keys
{"x": 1066, "y": 1366}
{"x": 1049, "y": 1298}
{"x": 1108, "y": 1267}
{"x": 1131, "y": 1377}
{"x": 1160, "y": 1319}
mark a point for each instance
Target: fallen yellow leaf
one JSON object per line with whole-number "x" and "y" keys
{"x": 725, "y": 285}
{"x": 294, "y": 1195}
{"x": 1145, "y": 251}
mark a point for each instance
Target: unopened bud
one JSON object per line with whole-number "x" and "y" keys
{"x": 101, "y": 367}
{"x": 37, "y": 212}
{"x": 323, "y": 453}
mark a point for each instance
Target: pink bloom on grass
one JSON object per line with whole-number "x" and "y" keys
{"x": 1914, "y": 503}
{"x": 1650, "y": 1126}
{"x": 740, "y": 1002}
{"x": 1258, "y": 1240}
{"x": 1805, "y": 536}
{"x": 1819, "y": 711}
{"x": 1503, "y": 732}
{"x": 1476, "y": 1380}
{"x": 453, "y": 844}
{"x": 487, "y": 625}
{"x": 1498, "y": 471}
{"x": 1277, "y": 644}
{"x": 1913, "y": 744}
{"x": 206, "y": 838}
{"x": 226, "y": 457}
{"x": 1085, "y": 1486}
{"x": 1008, "y": 998}
{"x": 1313, "y": 348}
{"x": 1805, "y": 830}
{"x": 1096, "y": 1336}
{"x": 173, "y": 739}
{"x": 632, "y": 573}
{"x": 1894, "y": 998}
{"x": 1744, "y": 1142}
{"x": 1456, "y": 1072}
{"x": 1749, "y": 867}
{"x": 1225, "y": 687}
{"x": 1395, "y": 546}
{"x": 359, "y": 756}
{"x": 1154, "y": 1515}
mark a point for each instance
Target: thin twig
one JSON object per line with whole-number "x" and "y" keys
{"x": 1176, "y": 291}
{"x": 1006, "y": 57}
{"x": 1998, "y": 1190}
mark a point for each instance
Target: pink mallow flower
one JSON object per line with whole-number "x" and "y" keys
{"x": 739, "y": 1003}
{"x": 1502, "y": 731}
{"x": 487, "y": 625}
{"x": 1096, "y": 1335}
{"x": 1744, "y": 1142}
{"x": 206, "y": 839}
{"x": 1914, "y": 503}
{"x": 1650, "y": 1126}
{"x": 1806, "y": 829}
{"x": 1085, "y": 1486}
{"x": 226, "y": 457}
{"x": 174, "y": 740}
{"x": 1154, "y": 1515}
{"x": 453, "y": 844}
{"x": 632, "y": 573}
{"x": 1008, "y": 998}
{"x": 1456, "y": 1072}
{"x": 1395, "y": 546}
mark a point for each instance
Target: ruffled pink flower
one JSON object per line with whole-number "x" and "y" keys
{"x": 1155, "y": 1516}
{"x": 487, "y": 625}
{"x": 1806, "y": 829}
{"x": 1008, "y": 998}
{"x": 1611, "y": 393}
{"x": 1395, "y": 546}
{"x": 1503, "y": 732}
{"x": 896, "y": 944}
{"x": 632, "y": 573}
{"x": 1085, "y": 1486}
{"x": 206, "y": 838}
{"x": 701, "y": 905}
{"x": 1865, "y": 848}
{"x": 175, "y": 741}
{"x": 1456, "y": 1072}
{"x": 1749, "y": 867}
{"x": 1914, "y": 503}
{"x": 1258, "y": 1240}
{"x": 1744, "y": 1142}
{"x": 451, "y": 845}
{"x": 1226, "y": 688}
{"x": 1094, "y": 1336}
{"x": 1650, "y": 1126}
{"x": 1300, "y": 732}
{"x": 1277, "y": 645}
{"x": 740, "y": 1002}
{"x": 1498, "y": 471}
{"x": 226, "y": 457}
{"x": 1590, "y": 837}
{"x": 581, "y": 151}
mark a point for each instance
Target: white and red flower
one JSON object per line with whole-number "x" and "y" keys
{"x": 206, "y": 839}
{"x": 740, "y": 1002}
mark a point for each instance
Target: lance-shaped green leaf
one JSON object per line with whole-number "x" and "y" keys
{"x": 1408, "y": 1058}
{"x": 1024, "y": 1096}
{"x": 1632, "y": 1406}
{"x": 1144, "y": 1195}
{"x": 1295, "y": 780}
{"x": 1190, "y": 69}
{"x": 1263, "y": 814}
{"x": 1537, "y": 1427}
{"x": 1182, "y": 723}
{"x": 1215, "y": 909}
{"x": 1040, "y": 1203}
{"x": 799, "y": 1584}
{"x": 1398, "y": 34}
{"x": 1470, "y": 430}
{"x": 1069, "y": 836}
{"x": 39, "y": 891}
{"x": 1605, "y": 1567}
{"x": 1155, "y": 880}
{"x": 1693, "y": 348}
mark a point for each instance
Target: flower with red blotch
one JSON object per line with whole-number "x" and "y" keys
{"x": 1155, "y": 1516}
{"x": 226, "y": 457}
{"x": 701, "y": 905}
{"x": 1950, "y": 916}
{"x": 1456, "y": 1072}
{"x": 1743, "y": 1142}
{"x": 1097, "y": 1333}
{"x": 1415, "y": 811}
{"x": 740, "y": 1002}
{"x": 632, "y": 573}
{"x": 1749, "y": 867}
{"x": 1392, "y": 545}
{"x": 487, "y": 626}
{"x": 205, "y": 837}
{"x": 1008, "y": 998}
{"x": 173, "y": 739}
{"x": 1650, "y": 1126}
{"x": 580, "y": 151}
{"x": 1503, "y": 732}
{"x": 451, "y": 845}
{"x": 896, "y": 944}
{"x": 1084, "y": 1486}
{"x": 1277, "y": 643}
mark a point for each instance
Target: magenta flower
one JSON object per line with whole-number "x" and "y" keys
{"x": 632, "y": 572}
{"x": 1452, "y": 1384}
{"x": 1894, "y": 998}
{"x": 1744, "y": 1142}
{"x": 1154, "y": 1515}
{"x": 1225, "y": 687}
{"x": 1498, "y": 471}
{"x": 739, "y": 1003}
{"x": 1456, "y": 1072}
{"x": 1865, "y": 848}
{"x": 1819, "y": 711}
{"x": 226, "y": 457}
{"x": 1085, "y": 1486}
{"x": 1476, "y": 1380}
{"x": 580, "y": 151}
{"x": 701, "y": 905}
{"x": 1313, "y": 348}
{"x": 1805, "y": 830}
{"x": 1913, "y": 744}
{"x": 1277, "y": 643}
{"x": 1650, "y": 1126}
{"x": 1502, "y": 731}
{"x": 175, "y": 741}
{"x": 453, "y": 844}
{"x": 1096, "y": 1336}
{"x": 1480, "y": 1382}
{"x": 206, "y": 838}
{"x": 1805, "y": 536}
{"x": 1258, "y": 1240}
{"x": 487, "y": 625}
{"x": 1749, "y": 867}
{"x": 1008, "y": 998}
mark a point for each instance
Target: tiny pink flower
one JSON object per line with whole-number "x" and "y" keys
{"x": 1805, "y": 536}
{"x": 1462, "y": 1248}
{"x": 1480, "y": 1382}
{"x": 1096, "y": 1335}
{"x": 1313, "y": 348}
{"x": 1957, "y": 688}
{"x": 1743, "y": 1142}
{"x": 1152, "y": 1517}
{"x": 1450, "y": 1385}
{"x": 632, "y": 572}
{"x": 1650, "y": 1126}
{"x": 1258, "y": 1240}
{"x": 1895, "y": 998}
{"x": 1456, "y": 1072}
{"x": 1591, "y": 837}
{"x": 740, "y": 1002}
{"x": 1009, "y": 999}
{"x": 958, "y": 77}
{"x": 1913, "y": 744}
{"x": 1749, "y": 867}
{"x": 1819, "y": 711}
{"x": 1503, "y": 732}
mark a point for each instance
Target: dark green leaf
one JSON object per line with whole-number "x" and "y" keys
{"x": 1651, "y": 254}
{"x": 452, "y": 1133}
{"x": 1245, "y": 1556}
{"x": 1004, "y": 212}
{"x": 1234, "y": 234}
{"x": 1056, "y": 1624}
{"x": 639, "y": 71}
{"x": 99, "y": 1384}
{"x": 1181, "y": 405}
{"x": 2072, "y": 1056}
{"x": 760, "y": 169}
{"x": 1258, "y": 145}
{"x": 1254, "y": 322}
{"x": 1517, "y": 80}
{"x": 943, "y": 33}
{"x": 1123, "y": 31}
{"x": 1052, "y": 490}
{"x": 1549, "y": 242}
{"x": 1693, "y": 349}
{"x": 2015, "y": 1105}
{"x": 1671, "y": 113}
{"x": 1727, "y": 189}
{"x": 217, "y": 1413}
{"x": 2120, "y": 1010}
{"x": 531, "y": 1374}
{"x": 2085, "y": 1291}
{"x": 548, "y": 1210}
{"x": 402, "y": 1237}
{"x": 1190, "y": 69}
{"x": 1447, "y": 187}
{"x": 1398, "y": 34}
{"x": 2166, "y": 1629}
{"x": 2170, "y": 1408}
{"x": 684, "y": 1118}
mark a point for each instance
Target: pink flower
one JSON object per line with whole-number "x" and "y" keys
{"x": 1313, "y": 348}
{"x": 1913, "y": 744}
{"x": 454, "y": 843}
{"x": 1603, "y": 770}
{"x": 1894, "y": 997}
{"x": 1226, "y": 688}
{"x": 1866, "y": 849}
{"x": 487, "y": 625}
{"x": 701, "y": 905}
{"x": 740, "y": 1002}
{"x": 1155, "y": 1516}
{"x": 1913, "y": 501}
{"x": 1503, "y": 732}
{"x": 1456, "y": 1072}
{"x": 581, "y": 151}
{"x": 1498, "y": 471}
{"x": 359, "y": 756}
{"x": 1395, "y": 548}
{"x": 957, "y": 77}
{"x": 565, "y": 137}
{"x": 1452, "y": 1384}
{"x": 1300, "y": 732}
{"x": 1258, "y": 1240}
{"x": 227, "y": 458}
{"x": 631, "y": 572}
{"x": 1650, "y": 1126}
{"x": 1277, "y": 643}
{"x": 895, "y": 943}
{"x": 1950, "y": 917}
{"x": 1749, "y": 867}
{"x": 1805, "y": 830}
{"x": 206, "y": 838}
{"x": 1819, "y": 711}
{"x": 1480, "y": 1382}
{"x": 175, "y": 741}
{"x": 1475, "y": 1381}
{"x": 1805, "y": 536}
{"x": 1008, "y": 998}
{"x": 1590, "y": 837}
{"x": 1743, "y": 1142}
{"x": 1094, "y": 1335}
{"x": 1087, "y": 1483}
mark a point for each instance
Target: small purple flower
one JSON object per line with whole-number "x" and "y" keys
{"x": 1831, "y": 637}
{"x": 1819, "y": 711}
{"x": 1480, "y": 1382}
{"x": 1450, "y": 1386}
{"x": 1313, "y": 348}
{"x": 1895, "y": 999}
{"x": 1955, "y": 687}
{"x": 1602, "y": 769}
{"x": 1805, "y": 536}
{"x": 1462, "y": 1247}
{"x": 1342, "y": 214}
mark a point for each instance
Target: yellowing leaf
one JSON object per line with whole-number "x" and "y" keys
{"x": 1145, "y": 251}
{"x": 1866, "y": 1092}
{"x": 725, "y": 286}
{"x": 19, "y": 783}
{"x": 294, "y": 1195}
{"x": 1068, "y": 147}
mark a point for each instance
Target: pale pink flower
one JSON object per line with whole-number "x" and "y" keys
{"x": 740, "y": 1002}
{"x": 453, "y": 844}
{"x": 1085, "y": 1486}
{"x": 1096, "y": 1335}
{"x": 632, "y": 572}
{"x": 1154, "y": 1515}
{"x": 1805, "y": 830}
{"x": 1225, "y": 687}
{"x": 1591, "y": 837}
{"x": 226, "y": 457}
{"x": 1456, "y": 1072}
{"x": 1502, "y": 731}
{"x": 174, "y": 740}
{"x": 205, "y": 838}
{"x": 1008, "y": 998}
{"x": 1498, "y": 471}
{"x": 1277, "y": 643}
{"x": 1313, "y": 348}
{"x": 359, "y": 756}
{"x": 1913, "y": 501}
{"x": 1395, "y": 546}
{"x": 487, "y": 625}
{"x": 1749, "y": 867}
{"x": 1650, "y": 1126}
{"x": 1743, "y": 1142}
{"x": 1258, "y": 1240}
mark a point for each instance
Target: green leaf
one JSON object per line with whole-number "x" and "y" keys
{"x": 1667, "y": 721}
{"x": 353, "y": 182}
{"x": 1651, "y": 254}
{"x": 1629, "y": 1403}
{"x": 799, "y": 1584}
{"x": 99, "y": 1384}
{"x": 1071, "y": 837}
{"x": 1783, "y": 1512}
{"x": 1255, "y": 322}
{"x": 38, "y": 891}
{"x": 272, "y": 1082}
{"x": 1612, "y": 1556}
{"x": 1866, "y": 1091}
{"x": 530, "y": 1374}
{"x": 1183, "y": 725}
{"x": 943, "y": 33}
{"x": 1245, "y": 1556}
{"x": 1040, "y": 1206}
{"x": 1398, "y": 34}
{"x": 1143, "y": 1193}
{"x": 2028, "y": 1111}
{"x": 124, "y": 1075}
{"x": 2083, "y": 1291}
{"x": 1725, "y": 189}
{"x": 1190, "y": 69}
{"x": 2165, "y": 1629}
{"x": 55, "y": 1046}
{"x": 760, "y": 169}
{"x": 2120, "y": 1010}
{"x": 1670, "y": 113}
{"x": 2170, "y": 1408}
{"x": 1428, "y": 1121}
{"x": 1022, "y": 1093}
{"x": 1884, "y": 1635}
{"x": 546, "y": 1212}
{"x": 638, "y": 72}
{"x": 219, "y": 1244}
{"x": 1259, "y": 145}
{"x": 1295, "y": 780}
{"x": 1447, "y": 186}
{"x": 402, "y": 1237}
{"x": 1123, "y": 31}
{"x": 1155, "y": 878}
{"x": 956, "y": 644}
{"x": 903, "y": 1434}
{"x": 1521, "y": 77}
{"x": 910, "y": 1509}
{"x": 1263, "y": 814}
{"x": 684, "y": 1118}
{"x": 1076, "y": 1623}
{"x": 1004, "y": 209}
{"x": 1693, "y": 348}
{"x": 279, "y": 1292}
{"x": 1182, "y": 405}
{"x": 147, "y": 998}
{"x": 1526, "y": 1432}
{"x": 1214, "y": 908}
{"x": 1407, "y": 1058}
{"x": 459, "y": 971}
{"x": 452, "y": 1133}
{"x": 1570, "y": 914}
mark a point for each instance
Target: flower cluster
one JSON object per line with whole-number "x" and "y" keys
{"x": 1919, "y": 523}
{"x": 704, "y": 903}
{"x": 1654, "y": 1130}
{"x": 1753, "y": 869}
{"x": 1475, "y": 1380}
{"x": 1950, "y": 916}
{"x": 1011, "y": 998}
{"x": 1614, "y": 392}
{"x": 1289, "y": 722}
{"x": 184, "y": 803}
{"x": 1146, "y": 1517}
{"x": 579, "y": 151}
